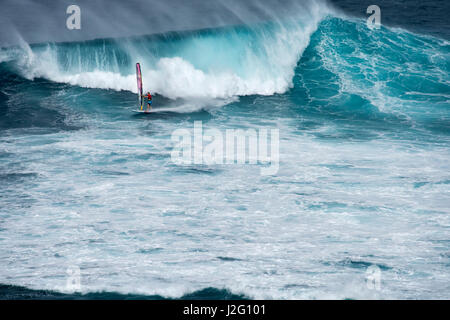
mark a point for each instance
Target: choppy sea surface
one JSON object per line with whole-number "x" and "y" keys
{"x": 88, "y": 188}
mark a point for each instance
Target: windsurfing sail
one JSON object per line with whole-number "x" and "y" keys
{"x": 139, "y": 84}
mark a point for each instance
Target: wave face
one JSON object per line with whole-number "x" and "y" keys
{"x": 390, "y": 76}
{"x": 364, "y": 124}
{"x": 221, "y": 63}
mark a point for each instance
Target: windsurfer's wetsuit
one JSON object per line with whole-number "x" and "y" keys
{"x": 149, "y": 100}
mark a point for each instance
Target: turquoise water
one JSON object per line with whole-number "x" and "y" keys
{"x": 364, "y": 123}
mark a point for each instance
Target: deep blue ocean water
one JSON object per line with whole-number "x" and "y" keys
{"x": 363, "y": 180}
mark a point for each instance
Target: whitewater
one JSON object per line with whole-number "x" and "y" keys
{"x": 363, "y": 178}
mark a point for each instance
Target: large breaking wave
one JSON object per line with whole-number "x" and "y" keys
{"x": 390, "y": 69}
{"x": 213, "y": 63}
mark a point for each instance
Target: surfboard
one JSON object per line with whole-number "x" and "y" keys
{"x": 143, "y": 111}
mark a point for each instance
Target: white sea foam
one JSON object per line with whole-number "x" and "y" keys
{"x": 147, "y": 226}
